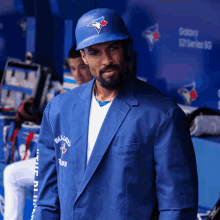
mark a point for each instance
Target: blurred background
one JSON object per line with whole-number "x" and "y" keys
{"x": 177, "y": 50}
{"x": 177, "y": 41}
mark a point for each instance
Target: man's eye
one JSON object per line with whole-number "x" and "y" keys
{"x": 83, "y": 67}
{"x": 116, "y": 47}
{"x": 93, "y": 52}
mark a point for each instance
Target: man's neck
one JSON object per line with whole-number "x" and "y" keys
{"x": 103, "y": 94}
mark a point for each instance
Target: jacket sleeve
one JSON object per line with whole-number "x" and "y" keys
{"x": 45, "y": 199}
{"x": 175, "y": 168}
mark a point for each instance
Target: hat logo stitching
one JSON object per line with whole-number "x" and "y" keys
{"x": 98, "y": 24}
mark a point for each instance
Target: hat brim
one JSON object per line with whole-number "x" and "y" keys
{"x": 102, "y": 38}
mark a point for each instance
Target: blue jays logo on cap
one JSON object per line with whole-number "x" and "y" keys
{"x": 98, "y": 24}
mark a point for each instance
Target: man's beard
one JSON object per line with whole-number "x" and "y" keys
{"x": 115, "y": 81}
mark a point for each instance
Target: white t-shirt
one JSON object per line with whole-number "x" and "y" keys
{"x": 96, "y": 118}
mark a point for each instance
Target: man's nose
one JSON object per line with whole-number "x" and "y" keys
{"x": 106, "y": 58}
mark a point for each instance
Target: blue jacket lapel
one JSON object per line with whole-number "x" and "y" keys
{"x": 79, "y": 133}
{"x": 115, "y": 116}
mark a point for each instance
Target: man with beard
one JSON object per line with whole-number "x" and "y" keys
{"x": 114, "y": 148}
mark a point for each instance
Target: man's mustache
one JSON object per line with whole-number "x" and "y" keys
{"x": 111, "y": 66}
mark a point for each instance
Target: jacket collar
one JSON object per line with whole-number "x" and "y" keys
{"x": 126, "y": 92}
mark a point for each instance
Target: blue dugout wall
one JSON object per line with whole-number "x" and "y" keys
{"x": 178, "y": 46}
{"x": 12, "y": 23}
{"x": 177, "y": 41}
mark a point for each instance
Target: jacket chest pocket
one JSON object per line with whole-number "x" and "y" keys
{"x": 131, "y": 148}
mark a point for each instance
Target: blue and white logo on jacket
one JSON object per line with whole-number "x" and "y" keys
{"x": 62, "y": 148}
{"x": 62, "y": 138}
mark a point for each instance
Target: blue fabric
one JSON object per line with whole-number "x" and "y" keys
{"x": 102, "y": 103}
{"x": 142, "y": 166}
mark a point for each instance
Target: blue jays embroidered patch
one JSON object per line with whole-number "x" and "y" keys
{"x": 98, "y": 24}
{"x": 63, "y": 148}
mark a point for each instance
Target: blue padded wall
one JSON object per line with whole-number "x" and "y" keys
{"x": 178, "y": 48}
{"x": 63, "y": 9}
{"x": 11, "y": 13}
{"x": 67, "y": 12}
{"x": 177, "y": 41}
{"x": 177, "y": 44}
{"x": 49, "y": 38}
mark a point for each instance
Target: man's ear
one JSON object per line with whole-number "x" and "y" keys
{"x": 83, "y": 55}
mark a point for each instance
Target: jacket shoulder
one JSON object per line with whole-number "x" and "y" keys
{"x": 149, "y": 96}
{"x": 71, "y": 96}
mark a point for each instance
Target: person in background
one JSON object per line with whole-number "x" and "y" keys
{"x": 79, "y": 70}
{"x": 114, "y": 148}
{"x": 20, "y": 174}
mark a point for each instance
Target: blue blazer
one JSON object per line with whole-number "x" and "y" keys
{"x": 142, "y": 166}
